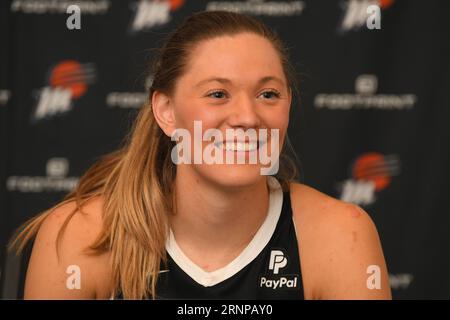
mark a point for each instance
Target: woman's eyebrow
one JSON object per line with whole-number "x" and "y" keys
{"x": 228, "y": 81}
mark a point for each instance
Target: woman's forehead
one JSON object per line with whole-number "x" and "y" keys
{"x": 243, "y": 55}
{"x": 237, "y": 47}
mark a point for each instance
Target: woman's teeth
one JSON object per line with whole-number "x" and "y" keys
{"x": 238, "y": 146}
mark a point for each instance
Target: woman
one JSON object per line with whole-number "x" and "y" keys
{"x": 142, "y": 225}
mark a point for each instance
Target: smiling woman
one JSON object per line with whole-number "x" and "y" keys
{"x": 244, "y": 147}
{"x": 139, "y": 225}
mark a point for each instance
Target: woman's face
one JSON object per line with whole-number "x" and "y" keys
{"x": 233, "y": 82}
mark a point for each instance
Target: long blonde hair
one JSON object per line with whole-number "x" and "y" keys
{"x": 136, "y": 181}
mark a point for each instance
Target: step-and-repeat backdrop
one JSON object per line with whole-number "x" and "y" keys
{"x": 372, "y": 126}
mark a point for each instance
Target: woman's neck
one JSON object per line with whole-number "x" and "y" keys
{"x": 213, "y": 225}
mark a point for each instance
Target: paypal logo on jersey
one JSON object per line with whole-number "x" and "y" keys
{"x": 278, "y": 260}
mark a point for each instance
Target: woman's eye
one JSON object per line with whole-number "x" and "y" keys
{"x": 216, "y": 94}
{"x": 270, "y": 94}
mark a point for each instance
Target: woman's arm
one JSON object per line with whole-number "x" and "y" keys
{"x": 74, "y": 275}
{"x": 356, "y": 267}
{"x": 340, "y": 249}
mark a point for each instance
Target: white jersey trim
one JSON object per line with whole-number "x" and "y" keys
{"x": 253, "y": 249}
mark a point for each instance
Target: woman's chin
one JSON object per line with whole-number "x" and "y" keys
{"x": 234, "y": 175}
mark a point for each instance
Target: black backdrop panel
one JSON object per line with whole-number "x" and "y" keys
{"x": 370, "y": 128}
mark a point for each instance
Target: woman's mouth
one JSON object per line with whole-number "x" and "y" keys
{"x": 239, "y": 146}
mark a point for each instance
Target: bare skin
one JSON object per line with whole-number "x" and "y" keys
{"x": 46, "y": 276}
{"x": 337, "y": 240}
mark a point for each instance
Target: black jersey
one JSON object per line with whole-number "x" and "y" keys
{"x": 268, "y": 268}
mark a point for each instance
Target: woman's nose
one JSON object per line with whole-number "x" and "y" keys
{"x": 244, "y": 113}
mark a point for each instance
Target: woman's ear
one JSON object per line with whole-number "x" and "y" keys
{"x": 290, "y": 95}
{"x": 163, "y": 112}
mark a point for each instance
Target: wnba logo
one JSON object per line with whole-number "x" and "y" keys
{"x": 67, "y": 81}
{"x": 371, "y": 173}
{"x": 152, "y": 13}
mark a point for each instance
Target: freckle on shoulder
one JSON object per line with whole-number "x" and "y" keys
{"x": 355, "y": 211}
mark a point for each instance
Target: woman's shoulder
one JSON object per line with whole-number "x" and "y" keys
{"x": 319, "y": 208}
{"x": 52, "y": 262}
{"x": 88, "y": 221}
{"x": 80, "y": 227}
{"x": 338, "y": 243}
